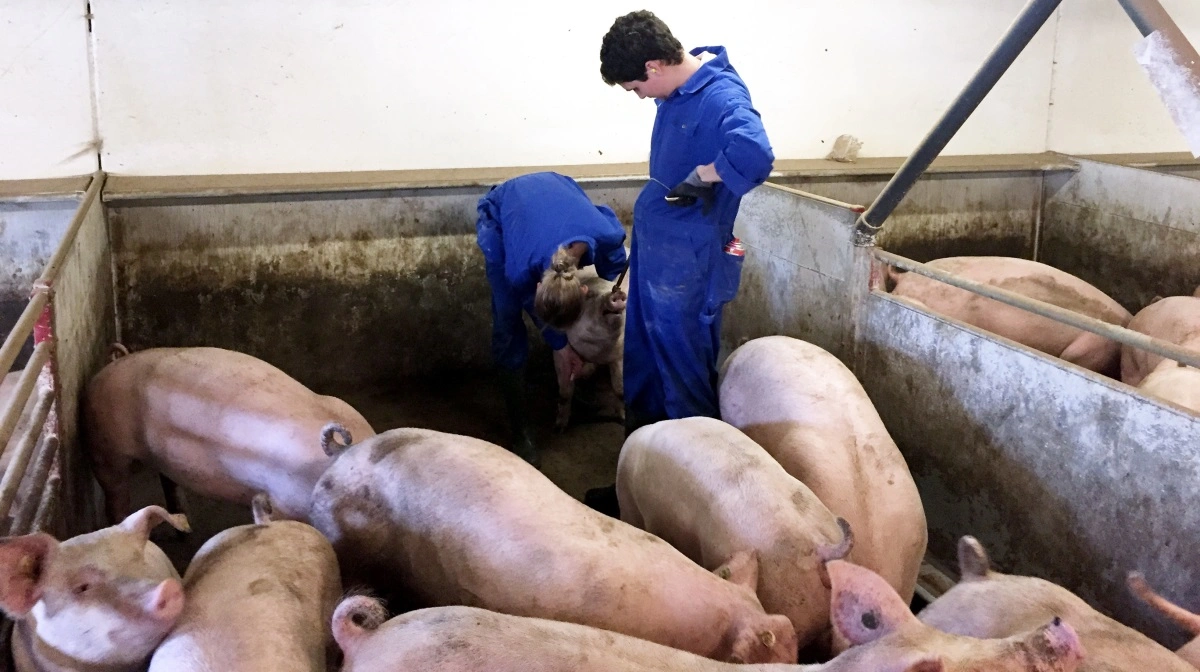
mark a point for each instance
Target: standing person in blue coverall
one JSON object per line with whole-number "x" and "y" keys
{"x": 536, "y": 231}
{"x": 707, "y": 150}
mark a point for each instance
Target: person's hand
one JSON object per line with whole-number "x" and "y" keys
{"x": 567, "y": 363}
{"x": 686, "y": 193}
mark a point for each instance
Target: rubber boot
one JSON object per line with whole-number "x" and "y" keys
{"x": 512, "y": 386}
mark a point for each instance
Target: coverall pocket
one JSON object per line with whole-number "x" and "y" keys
{"x": 723, "y": 285}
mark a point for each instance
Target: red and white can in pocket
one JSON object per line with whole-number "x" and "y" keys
{"x": 735, "y": 247}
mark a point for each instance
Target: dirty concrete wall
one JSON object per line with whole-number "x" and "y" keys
{"x": 334, "y": 289}
{"x": 1133, "y": 233}
{"x": 1192, "y": 171}
{"x": 795, "y": 278}
{"x": 1061, "y": 473}
{"x": 84, "y": 327}
{"x": 948, "y": 214}
{"x": 30, "y": 231}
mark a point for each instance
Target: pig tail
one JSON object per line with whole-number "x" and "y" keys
{"x": 330, "y": 446}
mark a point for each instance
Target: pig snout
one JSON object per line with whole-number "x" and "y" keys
{"x": 354, "y": 618}
{"x": 616, "y": 301}
{"x": 164, "y": 602}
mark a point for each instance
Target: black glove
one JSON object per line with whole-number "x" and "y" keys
{"x": 686, "y": 193}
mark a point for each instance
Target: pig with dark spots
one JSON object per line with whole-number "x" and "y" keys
{"x": 1175, "y": 319}
{"x": 989, "y": 604}
{"x": 1027, "y": 278}
{"x": 259, "y": 599}
{"x": 466, "y": 639}
{"x": 99, "y": 601}
{"x": 809, "y": 412}
{"x": 1186, "y": 619}
{"x": 598, "y": 336}
{"x": 459, "y": 521}
{"x": 708, "y": 490}
{"x": 219, "y": 423}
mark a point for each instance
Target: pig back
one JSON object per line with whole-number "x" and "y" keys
{"x": 221, "y": 423}
{"x": 258, "y": 597}
{"x": 459, "y": 521}
{"x": 1174, "y": 319}
{"x": 708, "y": 490}
{"x": 456, "y": 639}
{"x": 810, "y": 413}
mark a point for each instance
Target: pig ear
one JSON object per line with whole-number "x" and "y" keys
{"x": 354, "y": 618}
{"x": 742, "y": 569}
{"x": 863, "y": 607}
{"x": 23, "y": 563}
{"x": 141, "y": 522}
{"x": 973, "y": 562}
{"x": 262, "y": 509}
{"x": 1197, "y": 292}
{"x": 756, "y": 641}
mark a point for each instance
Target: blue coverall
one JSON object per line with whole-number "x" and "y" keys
{"x": 680, "y": 276}
{"x": 522, "y": 222}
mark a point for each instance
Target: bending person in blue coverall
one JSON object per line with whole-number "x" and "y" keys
{"x": 535, "y": 232}
{"x": 707, "y": 150}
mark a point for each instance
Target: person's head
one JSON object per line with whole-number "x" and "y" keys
{"x": 636, "y": 52}
{"x": 559, "y": 298}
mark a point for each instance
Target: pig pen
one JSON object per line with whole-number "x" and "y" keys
{"x": 371, "y": 287}
{"x": 367, "y": 287}
{"x": 1060, "y": 472}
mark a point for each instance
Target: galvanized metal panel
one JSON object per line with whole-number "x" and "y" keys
{"x": 83, "y": 326}
{"x": 1062, "y": 473}
{"x": 313, "y": 282}
{"x": 794, "y": 280}
{"x": 949, "y": 214}
{"x": 29, "y": 233}
{"x": 1132, "y": 233}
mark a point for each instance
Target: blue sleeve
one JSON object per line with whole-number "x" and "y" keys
{"x": 746, "y": 158}
{"x": 610, "y": 248}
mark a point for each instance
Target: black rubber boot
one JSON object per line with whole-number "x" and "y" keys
{"x": 635, "y": 420}
{"x": 524, "y": 445}
{"x": 603, "y": 500}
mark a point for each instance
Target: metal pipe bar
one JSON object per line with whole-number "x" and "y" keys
{"x": 49, "y": 500}
{"x": 1027, "y": 24}
{"x": 10, "y": 482}
{"x": 22, "y": 516}
{"x": 22, "y": 329}
{"x": 50, "y": 272}
{"x": 1049, "y": 310}
{"x": 12, "y": 412}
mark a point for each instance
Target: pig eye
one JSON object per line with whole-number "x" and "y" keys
{"x": 82, "y": 588}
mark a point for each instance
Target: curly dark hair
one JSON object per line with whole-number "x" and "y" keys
{"x": 634, "y": 39}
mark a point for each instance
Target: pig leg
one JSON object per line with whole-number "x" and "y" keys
{"x": 616, "y": 374}
{"x": 566, "y": 392}
{"x": 114, "y": 477}
{"x": 1095, "y": 353}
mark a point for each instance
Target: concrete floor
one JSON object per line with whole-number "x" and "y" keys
{"x": 582, "y": 457}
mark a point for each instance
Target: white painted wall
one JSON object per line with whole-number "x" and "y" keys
{"x": 1102, "y": 100}
{"x": 227, "y": 86}
{"x": 223, "y": 86}
{"x": 45, "y": 108}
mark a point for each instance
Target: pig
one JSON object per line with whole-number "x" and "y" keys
{"x": 809, "y": 412}
{"x": 598, "y": 336}
{"x": 989, "y": 604}
{"x": 687, "y": 482}
{"x": 98, "y": 601}
{"x": 1175, "y": 319}
{"x": 459, "y": 521}
{"x": 1031, "y": 279}
{"x": 222, "y": 424}
{"x": 1189, "y": 621}
{"x": 465, "y": 639}
{"x": 258, "y": 598}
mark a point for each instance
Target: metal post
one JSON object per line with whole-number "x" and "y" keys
{"x": 1031, "y": 19}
